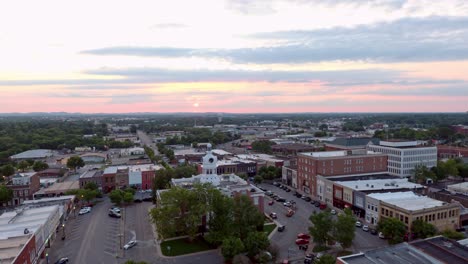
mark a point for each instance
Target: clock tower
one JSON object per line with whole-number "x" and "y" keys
{"x": 209, "y": 162}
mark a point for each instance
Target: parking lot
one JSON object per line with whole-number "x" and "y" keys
{"x": 299, "y": 223}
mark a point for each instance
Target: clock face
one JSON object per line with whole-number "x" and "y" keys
{"x": 211, "y": 160}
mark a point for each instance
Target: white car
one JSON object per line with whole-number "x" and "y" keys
{"x": 116, "y": 209}
{"x": 358, "y": 224}
{"x": 84, "y": 211}
{"x": 130, "y": 244}
{"x": 365, "y": 228}
{"x": 381, "y": 235}
{"x": 287, "y": 204}
{"x": 333, "y": 212}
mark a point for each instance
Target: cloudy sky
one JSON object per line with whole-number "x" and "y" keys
{"x": 234, "y": 56}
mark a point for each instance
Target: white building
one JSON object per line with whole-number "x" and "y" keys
{"x": 373, "y": 203}
{"x": 136, "y": 151}
{"x": 404, "y": 156}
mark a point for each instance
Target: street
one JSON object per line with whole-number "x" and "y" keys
{"x": 147, "y": 141}
{"x": 299, "y": 223}
{"x": 94, "y": 238}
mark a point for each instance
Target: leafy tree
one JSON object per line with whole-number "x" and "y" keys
{"x": 6, "y": 194}
{"x": 344, "y": 228}
{"x": 322, "y": 224}
{"x": 116, "y": 196}
{"x": 325, "y": 259}
{"x": 421, "y": 173}
{"x": 270, "y": 172}
{"x": 221, "y": 218}
{"x": 246, "y": 217}
{"x": 452, "y": 234}
{"x": 231, "y": 247}
{"x": 423, "y": 229}
{"x": 320, "y": 134}
{"x": 128, "y": 197}
{"x": 258, "y": 179}
{"x": 463, "y": 170}
{"x": 256, "y": 242}
{"x": 323, "y": 127}
{"x": 87, "y": 194}
{"x": 130, "y": 190}
{"x": 75, "y": 162}
{"x": 161, "y": 180}
{"x": 185, "y": 171}
{"x": 8, "y": 170}
{"x": 23, "y": 165}
{"x": 40, "y": 166}
{"x": 393, "y": 229}
{"x": 262, "y": 146}
{"x": 91, "y": 186}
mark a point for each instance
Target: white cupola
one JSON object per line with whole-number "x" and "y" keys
{"x": 210, "y": 161}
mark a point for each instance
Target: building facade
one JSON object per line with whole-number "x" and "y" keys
{"x": 404, "y": 156}
{"x": 23, "y": 185}
{"x": 335, "y": 163}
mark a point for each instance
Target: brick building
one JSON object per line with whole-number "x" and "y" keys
{"x": 292, "y": 149}
{"x": 449, "y": 152}
{"x": 335, "y": 163}
{"x": 94, "y": 176}
{"x": 24, "y": 185}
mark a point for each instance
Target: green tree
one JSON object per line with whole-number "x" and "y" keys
{"x": 75, "y": 162}
{"x": 258, "y": 179}
{"x": 8, "y": 170}
{"x": 325, "y": 259}
{"x": 128, "y": 197}
{"x": 220, "y": 218}
{"x": 116, "y": 196}
{"x": 393, "y": 229}
{"x": 23, "y": 165}
{"x": 87, "y": 194}
{"x": 423, "y": 229}
{"x": 262, "y": 146}
{"x": 40, "y": 166}
{"x": 185, "y": 171}
{"x": 255, "y": 242}
{"x": 344, "y": 228}
{"x": 452, "y": 234}
{"x": 322, "y": 224}
{"x": 231, "y": 247}
{"x": 421, "y": 173}
{"x": 246, "y": 216}
{"x": 6, "y": 194}
{"x": 91, "y": 186}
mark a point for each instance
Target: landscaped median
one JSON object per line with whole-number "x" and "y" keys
{"x": 182, "y": 246}
{"x": 268, "y": 228}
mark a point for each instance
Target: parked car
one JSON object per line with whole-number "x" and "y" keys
{"x": 62, "y": 261}
{"x": 287, "y": 204}
{"x": 373, "y": 231}
{"x": 130, "y": 244}
{"x": 281, "y": 228}
{"x": 308, "y": 199}
{"x": 358, "y": 224}
{"x": 365, "y": 228}
{"x": 309, "y": 258}
{"x": 288, "y": 190}
{"x": 84, "y": 211}
{"x": 281, "y": 200}
{"x": 276, "y": 183}
{"x": 116, "y": 209}
{"x": 302, "y": 241}
{"x": 381, "y": 235}
{"x": 304, "y": 236}
{"x": 290, "y": 213}
{"x": 271, "y": 202}
{"x": 273, "y": 215}
{"x": 333, "y": 212}
{"x": 317, "y": 205}
{"x": 114, "y": 214}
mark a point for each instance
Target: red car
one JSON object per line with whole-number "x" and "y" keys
{"x": 303, "y": 236}
{"x": 302, "y": 241}
{"x": 290, "y": 213}
{"x": 271, "y": 202}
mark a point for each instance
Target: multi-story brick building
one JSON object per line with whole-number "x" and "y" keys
{"x": 93, "y": 176}
{"x": 335, "y": 163}
{"x": 24, "y": 185}
{"x": 450, "y": 152}
{"x": 404, "y": 156}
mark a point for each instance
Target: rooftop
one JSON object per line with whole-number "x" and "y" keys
{"x": 59, "y": 187}
{"x": 340, "y": 153}
{"x": 264, "y": 157}
{"x": 415, "y": 203}
{"x": 404, "y": 144}
{"x": 392, "y": 195}
{"x": 91, "y": 174}
{"x": 443, "y": 249}
{"x": 354, "y": 141}
{"x": 11, "y": 247}
{"x": 398, "y": 254}
{"x": 459, "y": 186}
{"x": 379, "y": 184}
{"x": 33, "y": 154}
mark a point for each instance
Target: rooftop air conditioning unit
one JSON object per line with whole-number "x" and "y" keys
{"x": 372, "y": 186}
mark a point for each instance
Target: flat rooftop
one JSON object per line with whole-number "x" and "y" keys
{"x": 415, "y": 203}
{"x": 404, "y": 144}
{"x": 362, "y": 177}
{"x": 379, "y": 184}
{"x": 340, "y": 153}
{"x": 11, "y": 247}
{"x": 33, "y": 154}
{"x": 441, "y": 248}
{"x": 398, "y": 254}
{"x": 59, "y": 187}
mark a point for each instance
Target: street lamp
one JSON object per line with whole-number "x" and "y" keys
{"x": 63, "y": 231}
{"x": 47, "y": 257}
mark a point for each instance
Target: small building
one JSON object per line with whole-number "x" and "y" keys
{"x": 136, "y": 151}
{"x": 94, "y": 176}
{"x": 34, "y": 154}
{"x": 23, "y": 185}
{"x": 57, "y": 189}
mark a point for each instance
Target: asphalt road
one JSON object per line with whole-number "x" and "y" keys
{"x": 94, "y": 238}
{"x": 146, "y": 140}
{"x": 299, "y": 223}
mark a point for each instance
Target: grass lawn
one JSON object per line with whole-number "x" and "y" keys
{"x": 269, "y": 228}
{"x": 182, "y": 246}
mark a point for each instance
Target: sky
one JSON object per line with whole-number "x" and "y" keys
{"x": 238, "y": 56}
